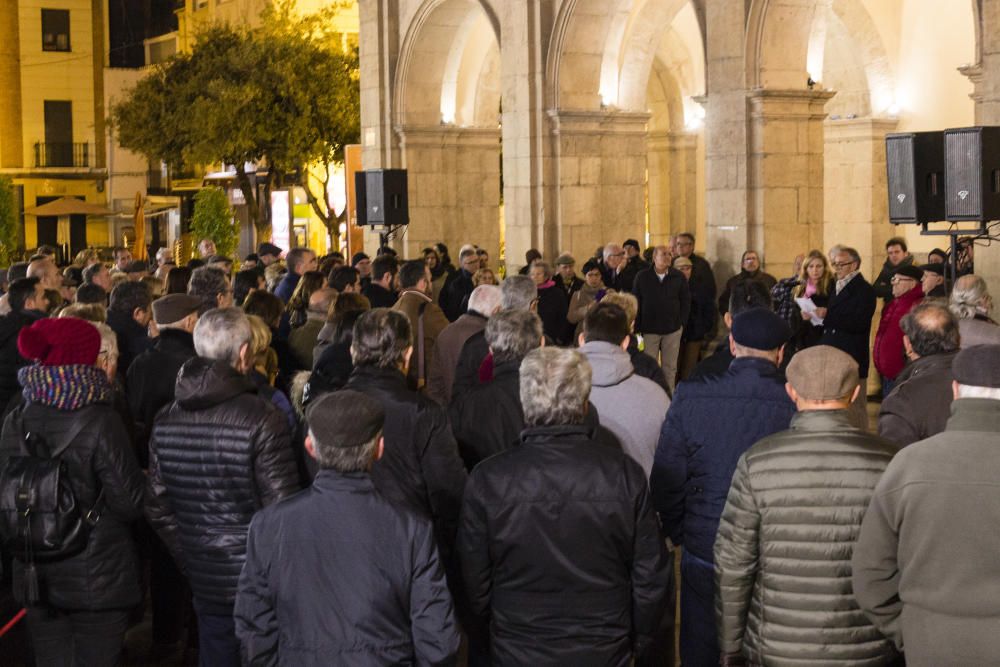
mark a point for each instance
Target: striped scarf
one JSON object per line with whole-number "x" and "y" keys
{"x": 69, "y": 387}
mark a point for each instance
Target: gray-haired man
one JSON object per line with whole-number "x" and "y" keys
{"x": 217, "y": 454}
{"x": 338, "y": 574}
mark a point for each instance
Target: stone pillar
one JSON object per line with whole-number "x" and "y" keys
{"x": 378, "y": 44}
{"x": 524, "y": 27}
{"x": 598, "y": 163}
{"x": 672, "y": 184}
{"x": 454, "y": 186}
{"x": 786, "y": 175}
{"x": 11, "y": 146}
{"x": 855, "y": 210}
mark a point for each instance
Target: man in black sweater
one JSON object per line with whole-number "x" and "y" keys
{"x": 664, "y": 305}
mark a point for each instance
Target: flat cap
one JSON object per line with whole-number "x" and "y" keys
{"x": 565, "y": 259}
{"x": 631, "y": 242}
{"x": 934, "y": 267}
{"x": 682, "y": 261}
{"x": 357, "y": 257}
{"x": 823, "y": 373}
{"x": 977, "y": 366}
{"x": 175, "y": 307}
{"x": 344, "y": 418}
{"x": 760, "y": 329}
{"x": 136, "y": 266}
{"x": 268, "y": 249}
{"x": 910, "y": 271}
{"x": 219, "y": 258}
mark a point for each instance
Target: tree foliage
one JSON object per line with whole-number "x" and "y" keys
{"x": 213, "y": 219}
{"x": 281, "y": 96}
{"x": 9, "y": 251}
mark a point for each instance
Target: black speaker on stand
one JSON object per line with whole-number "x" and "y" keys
{"x": 383, "y": 201}
{"x": 915, "y": 170}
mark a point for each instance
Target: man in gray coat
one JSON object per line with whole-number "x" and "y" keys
{"x": 925, "y": 566}
{"x": 630, "y": 406}
{"x": 794, "y": 511}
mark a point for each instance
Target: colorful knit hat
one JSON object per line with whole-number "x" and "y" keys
{"x": 60, "y": 342}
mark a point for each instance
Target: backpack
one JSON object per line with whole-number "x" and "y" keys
{"x": 41, "y": 519}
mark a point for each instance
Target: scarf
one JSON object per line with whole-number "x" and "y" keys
{"x": 69, "y": 387}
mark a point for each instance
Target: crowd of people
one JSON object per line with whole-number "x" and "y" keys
{"x": 310, "y": 460}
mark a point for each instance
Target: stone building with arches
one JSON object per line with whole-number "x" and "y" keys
{"x": 563, "y": 124}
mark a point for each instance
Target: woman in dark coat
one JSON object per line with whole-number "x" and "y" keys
{"x": 816, "y": 283}
{"x": 84, "y": 600}
{"x": 553, "y": 304}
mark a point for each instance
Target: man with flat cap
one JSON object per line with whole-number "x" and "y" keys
{"x": 925, "y": 567}
{"x": 337, "y": 574}
{"x": 794, "y": 511}
{"x": 933, "y": 280}
{"x": 711, "y": 422}
{"x": 889, "y": 353}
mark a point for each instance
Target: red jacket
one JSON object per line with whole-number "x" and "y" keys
{"x": 889, "y": 355}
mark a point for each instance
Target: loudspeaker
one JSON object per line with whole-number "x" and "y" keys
{"x": 382, "y": 197}
{"x": 915, "y": 169}
{"x": 972, "y": 174}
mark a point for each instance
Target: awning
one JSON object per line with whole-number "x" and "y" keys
{"x": 68, "y": 206}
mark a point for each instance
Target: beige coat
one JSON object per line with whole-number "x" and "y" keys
{"x": 434, "y": 323}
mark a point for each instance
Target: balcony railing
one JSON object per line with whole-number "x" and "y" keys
{"x": 63, "y": 155}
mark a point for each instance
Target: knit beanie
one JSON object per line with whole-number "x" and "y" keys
{"x": 60, "y": 342}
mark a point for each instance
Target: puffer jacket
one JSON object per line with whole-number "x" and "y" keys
{"x": 709, "y": 425}
{"x": 106, "y": 574}
{"x": 629, "y": 406}
{"x": 420, "y": 467}
{"x": 783, "y": 552}
{"x": 560, "y": 546}
{"x": 217, "y": 454}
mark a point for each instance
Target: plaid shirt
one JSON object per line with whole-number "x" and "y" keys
{"x": 784, "y": 303}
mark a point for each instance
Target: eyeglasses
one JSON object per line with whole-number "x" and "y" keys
{"x": 899, "y": 279}
{"x": 842, "y": 265}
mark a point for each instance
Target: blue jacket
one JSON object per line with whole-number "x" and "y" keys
{"x": 710, "y": 423}
{"x": 287, "y": 286}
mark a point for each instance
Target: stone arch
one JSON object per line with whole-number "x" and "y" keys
{"x": 640, "y": 44}
{"x": 438, "y": 56}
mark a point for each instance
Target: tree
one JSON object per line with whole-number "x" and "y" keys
{"x": 9, "y": 250}
{"x": 213, "y": 219}
{"x": 282, "y": 96}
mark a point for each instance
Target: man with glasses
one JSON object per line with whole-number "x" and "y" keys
{"x": 889, "y": 352}
{"x": 459, "y": 287}
{"x": 702, "y": 286}
{"x": 847, "y": 319}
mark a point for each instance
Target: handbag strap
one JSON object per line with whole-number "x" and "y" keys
{"x": 421, "y": 376}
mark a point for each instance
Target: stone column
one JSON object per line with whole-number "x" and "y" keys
{"x": 786, "y": 175}
{"x": 672, "y": 184}
{"x": 855, "y": 210}
{"x": 378, "y": 44}
{"x": 598, "y": 163}
{"x": 454, "y": 186}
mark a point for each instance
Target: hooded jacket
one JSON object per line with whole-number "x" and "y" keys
{"x": 783, "y": 552}
{"x": 217, "y": 455}
{"x": 630, "y": 406}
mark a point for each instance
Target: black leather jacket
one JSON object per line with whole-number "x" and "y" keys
{"x": 218, "y": 454}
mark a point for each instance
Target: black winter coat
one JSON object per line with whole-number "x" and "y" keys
{"x": 488, "y": 419}
{"x": 920, "y": 403}
{"x": 217, "y": 455}
{"x": 553, "y": 305}
{"x": 664, "y": 305}
{"x": 133, "y": 339}
{"x": 456, "y": 289}
{"x": 11, "y": 360}
{"x": 337, "y": 575}
{"x": 420, "y": 466}
{"x": 106, "y": 574}
{"x": 560, "y": 546}
{"x": 848, "y": 322}
{"x": 151, "y": 381}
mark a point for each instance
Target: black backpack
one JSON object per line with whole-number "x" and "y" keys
{"x": 41, "y": 519}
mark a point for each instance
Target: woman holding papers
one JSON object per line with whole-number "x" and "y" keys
{"x": 811, "y": 296}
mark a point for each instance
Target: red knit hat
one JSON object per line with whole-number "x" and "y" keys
{"x": 60, "y": 342}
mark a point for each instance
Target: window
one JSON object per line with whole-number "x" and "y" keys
{"x": 55, "y": 30}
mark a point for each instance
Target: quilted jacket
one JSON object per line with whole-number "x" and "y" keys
{"x": 783, "y": 552}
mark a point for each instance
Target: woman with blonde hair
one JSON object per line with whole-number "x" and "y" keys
{"x": 816, "y": 283}
{"x": 265, "y": 368}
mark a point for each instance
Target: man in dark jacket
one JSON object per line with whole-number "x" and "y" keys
{"x": 709, "y": 425}
{"x": 298, "y": 260}
{"x": 421, "y": 467}
{"x": 487, "y": 419}
{"x": 459, "y": 285}
{"x": 793, "y": 513}
{"x": 558, "y": 541}
{"x": 566, "y": 278}
{"x": 26, "y": 298}
{"x": 217, "y": 454}
{"x": 85, "y": 600}
{"x": 920, "y": 403}
{"x": 379, "y": 291}
{"x": 128, "y": 316}
{"x": 664, "y": 306}
{"x": 702, "y": 282}
{"x": 749, "y": 270}
{"x": 847, "y": 322}
{"x": 337, "y": 574}
{"x": 483, "y": 303}
{"x": 896, "y": 256}
{"x": 925, "y": 568}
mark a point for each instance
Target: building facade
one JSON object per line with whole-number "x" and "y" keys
{"x": 564, "y": 124}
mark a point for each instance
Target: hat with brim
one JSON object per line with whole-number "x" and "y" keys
{"x": 823, "y": 373}
{"x": 344, "y": 418}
